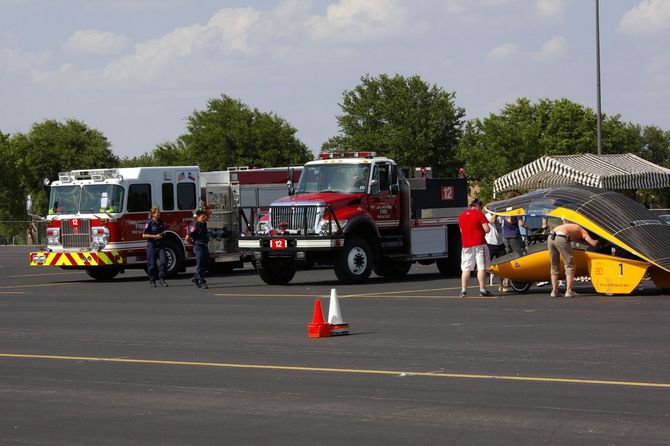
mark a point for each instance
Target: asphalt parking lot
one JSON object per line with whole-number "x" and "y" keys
{"x": 85, "y": 362}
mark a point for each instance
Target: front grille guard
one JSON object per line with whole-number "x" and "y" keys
{"x": 250, "y": 217}
{"x": 76, "y": 236}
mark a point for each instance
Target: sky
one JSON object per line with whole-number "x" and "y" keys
{"x": 136, "y": 69}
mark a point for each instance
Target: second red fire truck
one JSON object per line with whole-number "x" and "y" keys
{"x": 357, "y": 213}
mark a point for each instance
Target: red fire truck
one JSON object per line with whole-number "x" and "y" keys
{"x": 357, "y": 213}
{"x": 96, "y": 217}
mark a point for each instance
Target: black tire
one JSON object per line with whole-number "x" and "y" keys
{"x": 449, "y": 267}
{"x": 103, "y": 272}
{"x": 276, "y": 271}
{"x": 519, "y": 286}
{"x": 394, "y": 270}
{"x": 354, "y": 263}
{"x": 175, "y": 258}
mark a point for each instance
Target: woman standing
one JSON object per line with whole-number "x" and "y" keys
{"x": 153, "y": 232}
{"x": 199, "y": 236}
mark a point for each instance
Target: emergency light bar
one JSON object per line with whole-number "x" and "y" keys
{"x": 331, "y": 155}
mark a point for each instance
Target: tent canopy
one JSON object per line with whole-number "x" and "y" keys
{"x": 618, "y": 171}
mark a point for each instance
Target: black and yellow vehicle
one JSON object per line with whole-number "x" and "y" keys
{"x": 633, "y": 241}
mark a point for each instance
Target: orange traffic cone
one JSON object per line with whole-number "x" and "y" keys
{"x": 318, "y": 328}
{"x": 337, "y": 325}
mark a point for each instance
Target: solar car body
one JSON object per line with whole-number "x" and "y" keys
{"x": 633, "y": 241}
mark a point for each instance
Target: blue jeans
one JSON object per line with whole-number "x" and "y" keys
{"x": 201, "y": 253}
{"x": 156, "y": 271}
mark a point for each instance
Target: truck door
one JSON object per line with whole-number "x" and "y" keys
{"x": 383, "y": 201}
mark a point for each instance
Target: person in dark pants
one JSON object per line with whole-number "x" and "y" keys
{"x": 153, "y": 232}
{"x": 198, "y": 236}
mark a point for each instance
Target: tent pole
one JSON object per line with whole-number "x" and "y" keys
{"x": 599, "y": 117}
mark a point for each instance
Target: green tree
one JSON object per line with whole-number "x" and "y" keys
{"x": 51, "y": 147}
{"x": 229, "y": 133}
{"x": 523, "y": 132}
{"x": 404, "y": 118}
{"x": 12, "y": 206}
{"x": 165, "y": 154}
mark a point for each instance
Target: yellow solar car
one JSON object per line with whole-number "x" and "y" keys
{"x": 633, "y": 241}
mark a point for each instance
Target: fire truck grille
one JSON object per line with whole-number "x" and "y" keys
{"x": 76, "y": 236}
{"x": 297, "y": 217}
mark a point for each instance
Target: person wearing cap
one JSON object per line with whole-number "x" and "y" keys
{"x": 475, "y": 252}
{"x": 559, "y": 246}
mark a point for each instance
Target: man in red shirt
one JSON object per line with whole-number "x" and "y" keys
{"x": 475, "y": 253}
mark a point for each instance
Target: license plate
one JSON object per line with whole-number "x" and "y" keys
{"x": 278, "y": 243}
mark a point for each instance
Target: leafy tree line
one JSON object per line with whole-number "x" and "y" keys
{"x": 404, "y": 118}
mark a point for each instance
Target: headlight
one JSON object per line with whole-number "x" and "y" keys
{"x": 53, "y": 236}
{"x": 99, "y": 237}
{"x": 330, "y": 227}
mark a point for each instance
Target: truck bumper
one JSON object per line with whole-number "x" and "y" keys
{"x": 83, "y": 259}
{"x": 289, "y": 246}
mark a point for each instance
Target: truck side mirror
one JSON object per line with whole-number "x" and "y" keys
{"x": 374, "y": 187}
{"x": 104, "y": 201}
{"x": 289, "y": 183}
{"x": 29, "y": 204}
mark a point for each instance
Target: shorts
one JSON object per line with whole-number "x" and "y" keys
{"x": 475, "y": 256}
{"x": 561, "y": 247}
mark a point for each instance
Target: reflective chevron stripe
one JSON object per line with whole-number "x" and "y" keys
{"x": 76, "y": 258}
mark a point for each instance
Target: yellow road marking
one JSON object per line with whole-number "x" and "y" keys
{"x": 539, "y": 379}
{"x": 49, "y": 274}
{"x": 37, "y": 285}
{"x": 352, "y": 296}
{"x": 397, "y": 294}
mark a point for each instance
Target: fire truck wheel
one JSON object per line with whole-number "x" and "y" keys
{"x": 175, "y": 258}
{"x": 102, "y": 272}
{"x": 276, "y": 271}
{"x": 354, "y": 263}
{"x": 449, "y": 267}
{"x": 389, "y": 268}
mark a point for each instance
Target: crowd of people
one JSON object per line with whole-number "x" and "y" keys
{"x": 487, "y": 236}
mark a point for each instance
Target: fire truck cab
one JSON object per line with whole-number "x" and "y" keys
{"x": 96, "y": 218}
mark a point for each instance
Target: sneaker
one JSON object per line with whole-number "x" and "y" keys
{"x": 542, "y": 284}
{"x": 485, "y": 293}
{"x": 463, "y": 293}
{"x": 152, "y": 284}
{"x": 571, "y": 294}
{"x": 204, "y": 285}
{"x": 197, "y": 283}
{"x": 554, "y": 294}
{"x": 163, "y": 283}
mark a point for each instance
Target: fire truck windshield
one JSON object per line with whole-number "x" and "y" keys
{"x": 345, "y": 178}
{"x": 92, "y": 194}
{"x": 64, "y": 199}
{"x": 73, "y": 199}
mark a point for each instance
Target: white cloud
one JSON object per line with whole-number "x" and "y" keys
{"x": 227, "y": 31}
{"x": 552, "y": 49}
{"x": 358, "y": 20}
{"x": 549, "y": 8}
{"x": 14, "y": 61}
{"x": 94, "y": 42}
{"x": 648, "y": 17}
{"x": 503, "y": 52}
